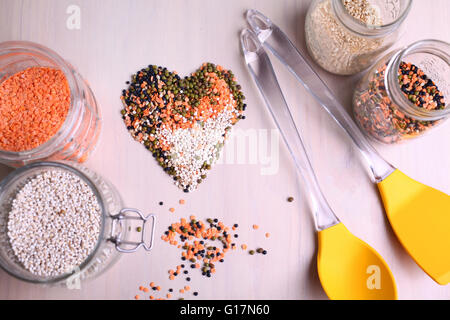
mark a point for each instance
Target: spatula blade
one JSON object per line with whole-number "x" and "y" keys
{"x": 420, "y": 217}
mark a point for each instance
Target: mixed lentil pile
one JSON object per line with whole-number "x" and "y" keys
{"x": 34, "y": 104}
{"x": 183, "y": 122}
{"x": 54, "y": 223}
{"x": 383, "y": 119}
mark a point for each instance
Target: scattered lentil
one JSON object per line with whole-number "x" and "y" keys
{"x": 192, "y": 234}
{"x": 203, "y": 243}
{"x": 334, "y": 47}
{"x": 34, "y": 104}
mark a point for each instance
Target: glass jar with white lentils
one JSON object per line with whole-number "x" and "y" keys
{"x": 346, "y": 36}
{"x": 61, "y": 223}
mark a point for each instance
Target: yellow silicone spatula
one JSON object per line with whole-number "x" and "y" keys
{"x": 419, "y": 214}
{"x": 348, "y": 268}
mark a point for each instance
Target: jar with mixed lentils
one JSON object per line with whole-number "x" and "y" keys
{"x": 346, "y": 36}
{"x": 405, "y": 93}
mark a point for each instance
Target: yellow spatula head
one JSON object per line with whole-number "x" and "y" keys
{"x": 420, "y": 217}
{"x": 349, "y": 269}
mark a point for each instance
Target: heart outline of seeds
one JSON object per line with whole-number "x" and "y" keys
{"x": 183, "y": 122}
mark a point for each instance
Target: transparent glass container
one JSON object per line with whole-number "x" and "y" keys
{"x": 343, "y": 44}
{"x": 79, "y": 133}
{"x": 381, "y": 107}
{"x": 117, "y": 230}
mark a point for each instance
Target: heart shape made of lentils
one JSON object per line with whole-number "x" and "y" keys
{"x": 183, "y": 122}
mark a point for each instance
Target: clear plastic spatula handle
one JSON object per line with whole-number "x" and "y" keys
{"x": 279, "y": 44}
{"x": 262, "y": 72}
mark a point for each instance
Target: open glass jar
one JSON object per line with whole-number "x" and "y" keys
{"x": 405, "y": 93}
{"x": 345, "y": 37}
{"x": 116, "y": 227}
{"x": 80, "y": 130}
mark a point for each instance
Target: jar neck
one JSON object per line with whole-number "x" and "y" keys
{"x": 367, "y": 30}
{"x": 430, "y": 47}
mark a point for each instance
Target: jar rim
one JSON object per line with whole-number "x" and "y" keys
{"x": 60, "y": 165}
{"x": 28, "y": 47}
{"x": 430, "y": 46}
{"x": 371, "y": 31}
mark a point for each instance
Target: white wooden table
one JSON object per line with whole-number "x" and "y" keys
{"x": 119, "y": 37}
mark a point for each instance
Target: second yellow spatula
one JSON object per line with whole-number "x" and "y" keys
{"x": 419, "y": 214}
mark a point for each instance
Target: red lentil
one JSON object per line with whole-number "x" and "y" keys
{"x": 34, "y": 104}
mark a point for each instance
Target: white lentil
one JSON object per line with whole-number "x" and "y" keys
{"x": 192, "y": 148}
{"x": 334, "y": 47}
{"x": 54, "y": 223}
{"x": 363, "y": 11}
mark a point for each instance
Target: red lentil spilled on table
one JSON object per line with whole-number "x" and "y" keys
{"x": 34, "y": 104}
{"x": 203, "y": 246}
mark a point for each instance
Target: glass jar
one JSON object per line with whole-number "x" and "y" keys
{"x": 79, "y": 133}
{"x": 389, "y": 107}
{"x": 116, "y": 225}
{"x": 345, "y": 39}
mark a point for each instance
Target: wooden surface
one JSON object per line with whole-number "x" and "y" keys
{"x": 119, "y": 37}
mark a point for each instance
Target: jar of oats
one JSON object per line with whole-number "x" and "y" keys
{"x": 346, "y": 36}
{"x": 405, "y": 93}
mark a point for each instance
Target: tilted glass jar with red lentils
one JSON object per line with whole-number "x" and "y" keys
{"x": 47, "y": 110}
{"x": 405, "y": 93}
